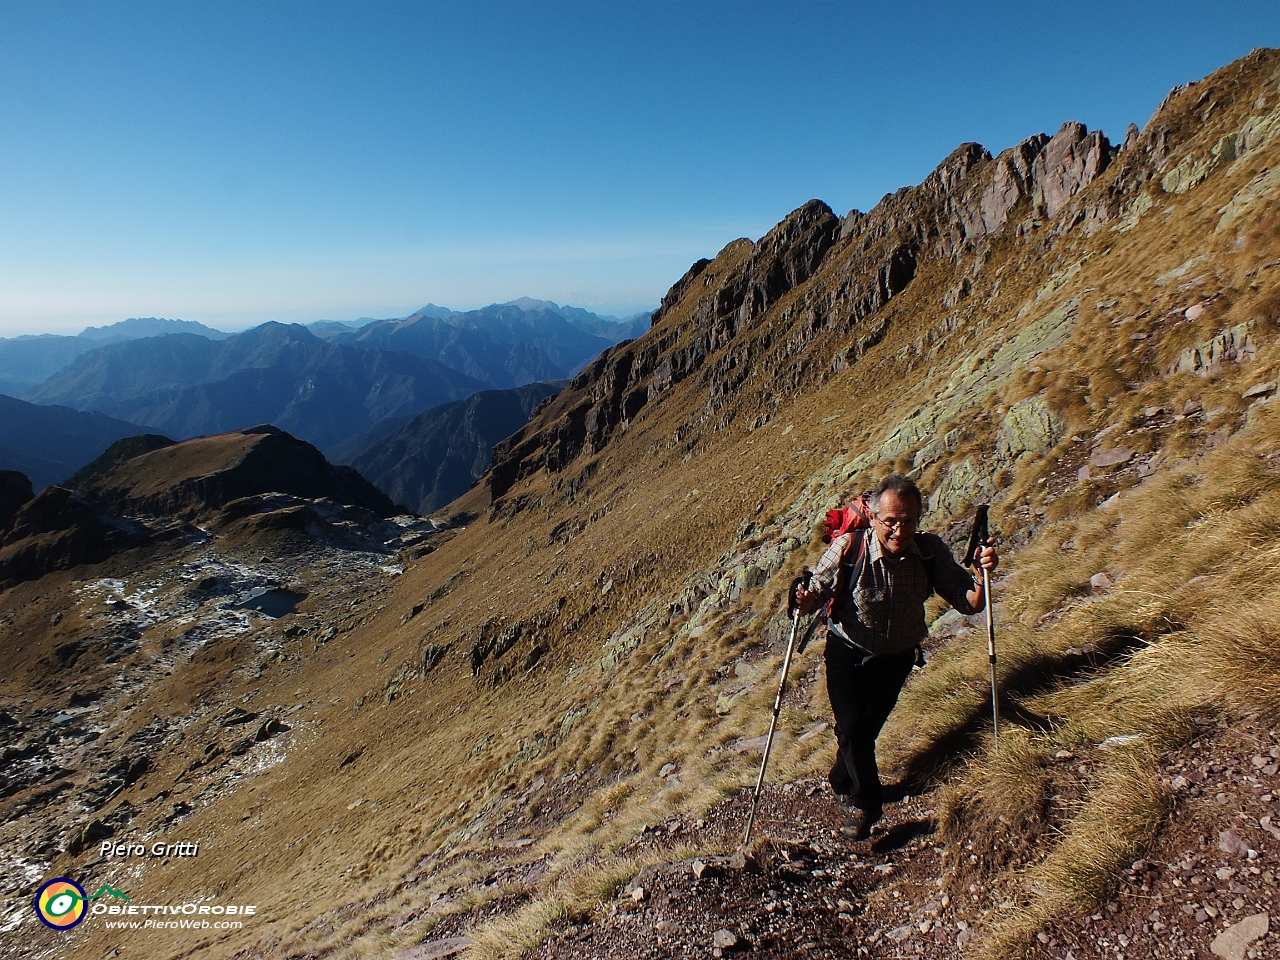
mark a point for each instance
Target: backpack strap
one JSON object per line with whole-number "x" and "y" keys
{"x": 854, "y": 552}
{"x": 927, "y": 559}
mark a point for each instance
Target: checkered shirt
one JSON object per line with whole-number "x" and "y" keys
{"x": 883, "y": 610}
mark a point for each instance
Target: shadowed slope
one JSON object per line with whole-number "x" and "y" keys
{"x": 434, "y": 457}
{"x": 49, "y": 443}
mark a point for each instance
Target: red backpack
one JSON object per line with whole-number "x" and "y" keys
{"x": 853, "y": 518}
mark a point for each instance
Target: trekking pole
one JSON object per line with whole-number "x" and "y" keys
{"x": 977, "y": 539}
{"x": 794, "y": 608}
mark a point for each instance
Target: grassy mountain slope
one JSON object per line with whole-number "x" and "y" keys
{"x": 164, "y": 479}
{"x": 1082, "y": 334}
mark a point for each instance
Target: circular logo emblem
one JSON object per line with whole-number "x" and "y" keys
{"x": 61, "y": 903}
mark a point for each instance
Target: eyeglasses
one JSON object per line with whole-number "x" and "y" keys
{"x": 902, "y": 526}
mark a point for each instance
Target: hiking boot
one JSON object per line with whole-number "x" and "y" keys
{"x": 858, "y": 822}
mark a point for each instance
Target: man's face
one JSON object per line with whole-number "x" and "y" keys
{"x": 895, "y": 521}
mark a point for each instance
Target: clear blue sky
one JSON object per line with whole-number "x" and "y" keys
{"x": 237, "y": 162}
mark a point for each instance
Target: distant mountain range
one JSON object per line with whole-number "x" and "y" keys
{"x": 504, "y": 345}
{"x": 343, "y": 386}
{"x": 136, "y": 328}
{"x": 26, "y": 362}
{"x": 184, "y": 385}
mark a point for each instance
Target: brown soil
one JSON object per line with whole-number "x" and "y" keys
{"x": 808, "y": 891}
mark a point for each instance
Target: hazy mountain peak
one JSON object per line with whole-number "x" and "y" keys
{"x": 529, "y": 303}
{"x": 135, "y": 328}
{"x": 274, "y": 330}
{"x": 433, "y": 310}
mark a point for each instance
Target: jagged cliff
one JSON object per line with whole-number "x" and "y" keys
{"x": 823, "y": 282}
{"x": 834, "y": 276}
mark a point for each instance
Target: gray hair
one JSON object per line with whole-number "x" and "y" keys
{"x": 903, "y": 486}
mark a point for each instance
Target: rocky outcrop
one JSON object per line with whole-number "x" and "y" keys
{"x": 1070, "y": 161}
{"x": 814, "y": 278}
{"x": 197, "y": 477}
{"x": 60, "y": 529}
{"x": 1234, "y": 345}
{"x": 833, "y": 280}
{"x": 1011, "y": 183}
{"x": 679, "y": 289}
{"x": 716, "y": 306}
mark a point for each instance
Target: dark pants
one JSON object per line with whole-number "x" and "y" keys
{"x": 863, "y": 689}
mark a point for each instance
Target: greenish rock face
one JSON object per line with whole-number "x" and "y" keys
{"x": 1226, "y": 148}
{"x": 1247, "y": 196}
{"x": 572, "y": 718}
{"x": 1258, "y": 130}
{"x": 975, "y": 377}
{"x": 966, "y": 483}
{"x": 1179, "y": 272}
{"x": 1187, "y": 174}
{"x": 949, "y": 621}
{"x": 619, "y": 647}
{"x": 1141, "y": 204}
{"x": 937, "y": 448}
{"x": 1029, "y": 427}
{"x": 752, "y": 578}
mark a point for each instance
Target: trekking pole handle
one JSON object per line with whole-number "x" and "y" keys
{"x": 793, "y": 605}
{"x": 978, "y": 536}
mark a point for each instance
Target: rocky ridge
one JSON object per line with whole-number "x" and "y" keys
{"x": 866, "y": 259}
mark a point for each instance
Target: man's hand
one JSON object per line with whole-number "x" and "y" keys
{"x": 806, "y": 600}
{"x": 986, "y": 557}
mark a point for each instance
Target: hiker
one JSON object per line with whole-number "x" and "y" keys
{"x": 876, "y": 625}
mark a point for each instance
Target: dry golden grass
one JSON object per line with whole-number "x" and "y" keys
{"x": 1197, "y": 604}
{"x": 515, "y": 935}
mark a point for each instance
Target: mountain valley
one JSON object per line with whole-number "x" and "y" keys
{"x": 328, "y": 382}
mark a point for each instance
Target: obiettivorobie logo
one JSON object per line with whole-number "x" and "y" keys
{"x": 62, "y": 903}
